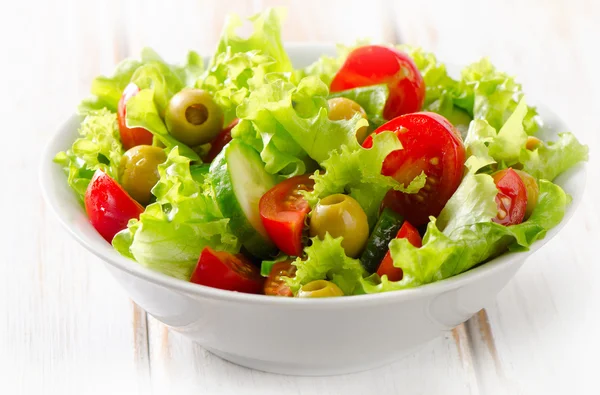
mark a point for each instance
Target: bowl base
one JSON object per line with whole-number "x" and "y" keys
{"x": 298, "y": 369}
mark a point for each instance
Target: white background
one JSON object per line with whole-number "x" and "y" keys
{"x": 65, "y": 325}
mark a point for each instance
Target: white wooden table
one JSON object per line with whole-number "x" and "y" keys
{"x": 66, "y": 327}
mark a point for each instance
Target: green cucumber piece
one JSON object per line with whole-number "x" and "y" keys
{"x": 387, "y": 227}
{"x": 239, "y": 180}
{"x": 199, "y": 172}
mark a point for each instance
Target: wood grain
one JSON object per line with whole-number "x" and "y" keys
{"x": 66, "y": 327}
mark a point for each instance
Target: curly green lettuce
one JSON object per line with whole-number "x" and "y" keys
{"x": 266, "y": 37}
{"x": 457, "y": 247}
{"x": 98, "y": 147}
{"x": 371, "y": 98}
{"x": 488, "y": 149}
{"x": 288, "y": 125}
{"x": 107, "y": 91}
{"x": 327, "y": 260}
{"x": 171, "y": 233}
{"x": 493, "y": 95}
{"x": 239, "y": 65}
{"x": 552, "y": 158}
{"x": 358, "y": 173}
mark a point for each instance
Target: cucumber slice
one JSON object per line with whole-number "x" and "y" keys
{"x": 239, "y": 180}
{"x": 387, "y": 227}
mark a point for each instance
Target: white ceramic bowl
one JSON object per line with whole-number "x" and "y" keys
{"x": 298, "y": 336}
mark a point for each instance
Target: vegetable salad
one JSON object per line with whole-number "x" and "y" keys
{"x": 369, "y": 171}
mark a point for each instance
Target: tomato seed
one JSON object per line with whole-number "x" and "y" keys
{"x": 501, "y": 214}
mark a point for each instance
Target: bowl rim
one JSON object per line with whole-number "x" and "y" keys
{"x": 109, "y": 255}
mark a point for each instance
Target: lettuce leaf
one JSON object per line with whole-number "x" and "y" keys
{"x": 266, "y": 37}
{"x": 469, "y": 241}
{"x": 232, "y": 76}
{"x": 327, "y": 260}
{"x": 479, "y": 135}
{"x": 98, "y": 147}
{"x": 472, "y": 203}
{"x": 492, "y": 95}
{"x": 358, "y": 173}
{"x": 171, "y": 233}
{"x": 485, "y": 147}
{"x": 107, "y": 91}
{"x": 511, "y": 138}
{"x": 241, "y": 64}
{"x": 371, "y": 98}
{"x": 289, "y": 126}
{"x": 441, "y": 90}
{"x": 552, "y": 158}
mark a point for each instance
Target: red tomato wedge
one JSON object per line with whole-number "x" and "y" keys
{"x": 431, "y": 145}
{"x": 511, "y": 198}
{"x": 374, "y": 64}
{"x": 407, "y": 231}
{"x": 275, "y": 285}
{"x": 108, "y": 206}
{"x": 283, "y": 211}
{"x": 130, "y": 137}
{"x": 216, "y": 146}
{"x": 219, "y": 269}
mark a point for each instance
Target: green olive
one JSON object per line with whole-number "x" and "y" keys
{"x": 342, "y": 108}
{"x": 193, "y": 117}
{"x": 533, "y": 191}
{"x": 532, "y": 143}
{"x": 138, "y": 171}
{"x": 341, "y": 215}
{"x": 319, "y": 289}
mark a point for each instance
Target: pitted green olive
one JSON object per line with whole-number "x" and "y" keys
{"x": 138, "y": 171}
{"x": 341, "y": 215}
{"x": 193, "y": 117}
{"x": 342, "y": 108}
{"x": 319, "y": 289}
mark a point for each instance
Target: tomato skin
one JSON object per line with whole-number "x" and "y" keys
{"x": 511, "y": 198}
{"x": 130, "y": 137}
{"x": 374, "y": 64}
{"x": 283, "y": 212}
{"x": 275, "y": 285}
{"x": 220, "y": 141}
{"x": 431, "y": 145}
{"x": 220, "y": 269}
{"x": 108, "y": 206}
{"x": 407, "y": 231}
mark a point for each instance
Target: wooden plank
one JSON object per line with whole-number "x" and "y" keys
{"x": 65, "y": 325}
{"x": 179, "y": 364}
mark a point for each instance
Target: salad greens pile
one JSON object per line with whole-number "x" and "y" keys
{"x": 283, "y": 117}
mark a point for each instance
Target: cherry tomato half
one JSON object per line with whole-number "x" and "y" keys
{"x": 283, "y": 211}
{"x": 130, "y": 137}
{"x": 224, "y": 137}
{"x": 511, "y": 198}
{"x": 431, "y": 145}
{"x": 220, "y": 269}
{"x": 108, "y": 206}
{"x": 275, "y": 285}
{"x": 407, "y": 231}
{"x": 374, "y": 64}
